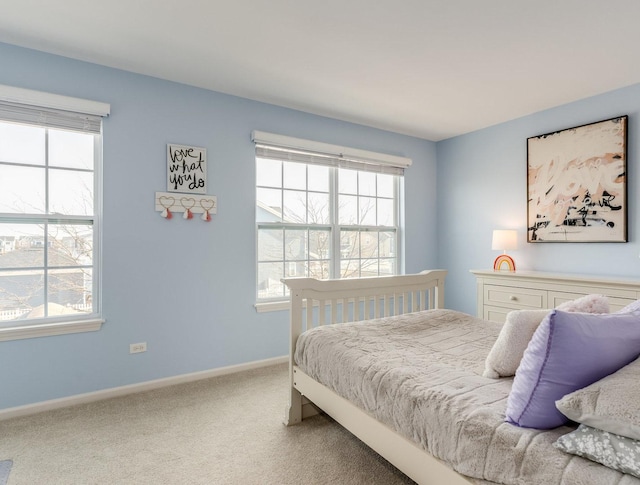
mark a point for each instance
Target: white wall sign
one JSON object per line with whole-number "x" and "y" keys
{"x": 186, "y": 169}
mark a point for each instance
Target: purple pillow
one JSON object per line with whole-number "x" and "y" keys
{"x": 567, "y": 352}
{"x": 631, "y": 307}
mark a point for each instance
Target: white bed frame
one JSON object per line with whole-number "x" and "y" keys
{"x": 362, "y": 299}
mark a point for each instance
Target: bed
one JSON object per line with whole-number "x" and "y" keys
{"x": 384, "y": 359}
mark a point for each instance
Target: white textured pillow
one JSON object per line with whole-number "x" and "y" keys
{"x": 506, "y": 353}
{"x": 611, "y": 404}
{"x": 520, "y": 325}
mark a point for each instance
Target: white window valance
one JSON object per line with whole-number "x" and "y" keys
{"x": 281, "y": 147}
{"x": 51, "y": 110}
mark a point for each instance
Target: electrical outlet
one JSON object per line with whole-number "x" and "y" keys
{"x": 137, "y": 348}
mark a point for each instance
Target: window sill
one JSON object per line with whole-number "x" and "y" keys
{"x": 276, "y": 306}
{"x": 49, "y": 329}
{"x": 272, "y": 306}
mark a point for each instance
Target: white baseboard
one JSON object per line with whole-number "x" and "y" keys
{"x": 39, "y": 407}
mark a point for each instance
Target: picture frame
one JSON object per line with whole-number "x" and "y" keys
{"x": 577, "y": 184}
{"x": 186, "y": 169}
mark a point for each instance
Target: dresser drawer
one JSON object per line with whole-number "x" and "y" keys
{"x": 558, "y": 297}
{"x": 514, "y": 298}
{"x": 496, "y": 314}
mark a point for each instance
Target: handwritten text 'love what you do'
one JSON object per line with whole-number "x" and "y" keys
{"x": 186, "y": 169}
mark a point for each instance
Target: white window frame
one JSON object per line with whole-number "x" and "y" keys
{"x": 341, "y": 157}
{"x": 64, "y": 324}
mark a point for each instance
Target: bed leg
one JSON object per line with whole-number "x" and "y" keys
{"x": 293, "y": 412}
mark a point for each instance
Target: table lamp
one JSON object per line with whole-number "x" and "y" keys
{"x": 504, "y": 240}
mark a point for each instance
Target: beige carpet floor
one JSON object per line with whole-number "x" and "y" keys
{"x": 223, "y": 430}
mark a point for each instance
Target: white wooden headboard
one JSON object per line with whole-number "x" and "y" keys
{"x": 321, "y": 302}
{"x": 316, "y": 302}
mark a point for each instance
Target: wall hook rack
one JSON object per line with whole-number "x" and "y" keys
{"x": 188, "y": 204}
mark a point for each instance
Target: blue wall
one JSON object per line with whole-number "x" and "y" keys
{"x": 482, "y": 186}
{"x": 187, "y": 288}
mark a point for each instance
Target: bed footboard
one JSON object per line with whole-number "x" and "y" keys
{"x": 322, "y": 302}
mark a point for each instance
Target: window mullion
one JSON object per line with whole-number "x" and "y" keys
{"x": 307, "y": 262}
{"x": 46, "y": 223}
{"x": 334, "y": 199}
{"x": 396, "y": 214}
{"x": 284, "y": 256}
{"x": 284, "y": 232}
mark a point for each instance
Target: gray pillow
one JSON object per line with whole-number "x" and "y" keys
{"x": 608, "y": 449}
{"x": 611, "y": 404}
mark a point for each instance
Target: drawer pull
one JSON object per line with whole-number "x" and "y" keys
{"x": 513, "y": 298}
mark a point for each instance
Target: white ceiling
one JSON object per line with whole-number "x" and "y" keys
{"x": 427, "y": 68}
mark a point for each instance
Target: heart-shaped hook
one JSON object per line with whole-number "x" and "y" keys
{"x": 166, "y": 202}
{"x": 207, "y": 204}
{"x": 187, "y": 202}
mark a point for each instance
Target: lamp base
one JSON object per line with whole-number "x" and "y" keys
{"x": 504, "y": 259}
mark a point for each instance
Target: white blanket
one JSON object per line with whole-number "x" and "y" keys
{"x": 421, "y": 374}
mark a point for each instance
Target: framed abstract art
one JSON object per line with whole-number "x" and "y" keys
{"x": 577, "y": 184}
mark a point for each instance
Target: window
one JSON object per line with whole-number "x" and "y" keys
{"x": 323, "y": 214}
{"x": 50, "y": 170}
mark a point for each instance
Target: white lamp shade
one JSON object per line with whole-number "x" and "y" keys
{"x": 504, "y": 240}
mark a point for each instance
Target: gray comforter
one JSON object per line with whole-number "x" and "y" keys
{"x": 420, "y": 374}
